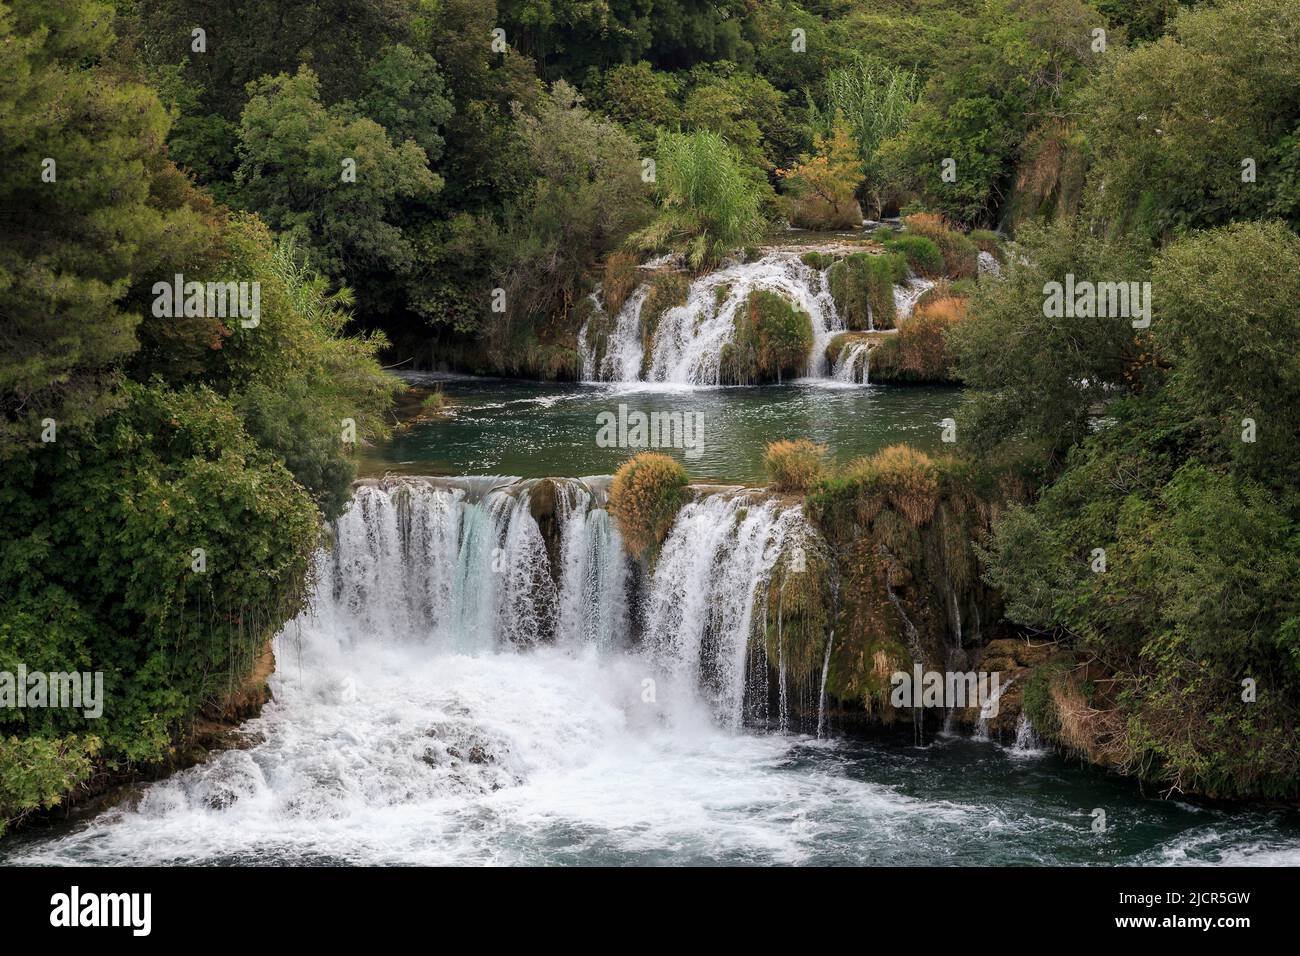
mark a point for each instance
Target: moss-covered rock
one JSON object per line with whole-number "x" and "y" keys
{"x": 921, "y": 253}
{"x": 771, "y": 341}
{"x": 862, "y": 286}
{"x": 644, "y": 497}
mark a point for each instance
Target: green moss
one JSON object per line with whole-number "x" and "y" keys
{"x": 986, "y": 240}
{"x": 1037, "y": 703}
{"x": 817, "y": 260}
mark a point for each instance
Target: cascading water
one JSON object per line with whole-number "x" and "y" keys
{"x": 689, "y": 338}
{"x": 688, "y": 341}
{"x": 594, "y": 574}
{"x": 409, "y": 727}
{"x": 853, "y": 366}
{"x": 707, "y": 592}
{"x": 623, "y": 352}
{"x": 906, "y": 296}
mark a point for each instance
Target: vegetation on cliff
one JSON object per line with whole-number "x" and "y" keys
{"x": 644, "y": 498}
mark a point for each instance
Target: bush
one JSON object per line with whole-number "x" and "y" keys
{"x": 922, "y": 254}
{"x": 862, "y": 286}
{"x": 772, "y": 341}
{"x": 919, "y": 352}
{"x": 708, "y": 206}
{"x": 960, "y": 255}
{"x": 644, "y": 498}
{"x": 908, "y": 478}
{"x": 817, "y": 260}
{"x": 794, "y": 465}
{"x": 986, "y": 240}
{"x": 38, "y": 772}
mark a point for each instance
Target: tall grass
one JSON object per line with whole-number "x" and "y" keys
{"x": 708, "y": 206}
{"x": 876, "y": 100}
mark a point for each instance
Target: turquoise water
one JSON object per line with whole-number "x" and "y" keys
{"x": 536, "y": 430}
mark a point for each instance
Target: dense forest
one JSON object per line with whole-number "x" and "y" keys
{"x": 444, "y": 182}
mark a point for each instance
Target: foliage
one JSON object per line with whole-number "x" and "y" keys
{"x": 771, "y": 341}
{"x": 644, "y": 497}
{"x": 1197, "y": 526}
{"x": 922, "y": 254}
{"x": 823, "y": 183}
{"x": 863, "y": 288}
{"x": 794, "y": 466}
{"x": 875, "y": 99}
{"x": 73, "y": 249}
{"x": 919, "y": 352}
{"x": 1171, "y": 124}
{"x": 1033, "y": 379}
{"x": 708, "y": 207}
{"x": 960, "y": 254}
{"x": 586, "y": 198}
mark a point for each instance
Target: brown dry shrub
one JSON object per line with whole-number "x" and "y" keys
{"x": 644, "y": 498}
{"x": 908, "y": 478}
{"x": 794, "y": 466}
{"x": 620, "y": 280}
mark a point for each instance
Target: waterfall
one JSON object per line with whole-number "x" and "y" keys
{"x": 461, "y": 564}
{"x": 689, "y": 338}
{"x": 594, "y": 572}
{"x": 710, "y": 578}
{"x": 687, "y": 347}
{"x": 821, "y": 695}
{"x": 906, "y": 296}
{"x": 988, "y": 264}
{"x": 847, "y": 368}
{"x": 1027, "y": 743}
{"x": 982, "y": 727}
{"x": 621, "y": 360}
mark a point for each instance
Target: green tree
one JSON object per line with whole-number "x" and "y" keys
{"x": 329, "y": 177}
{"x": 89, "y": 205}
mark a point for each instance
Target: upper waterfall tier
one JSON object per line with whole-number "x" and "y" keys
{"x": 686, "y": 342}
{"x": 684, "y": 337}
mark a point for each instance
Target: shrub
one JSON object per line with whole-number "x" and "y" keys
{"x": 918, "y": 352}
{"x": 986, "y": 240}
{"x": 708, "y": 206}
{"x": 960, "y": 255}
{"x": 817, "y": 260}
{"x": 38, "y": 772}
{"x": 644, "y": 498}
{"x": 772, "y": 340}
{"x": 794, "y": 465}
{"x": 823, "y": 184}
{"x": 862, "y": 286}
{"x": 908, "y": 478}
{"x": 922, "y": 254}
